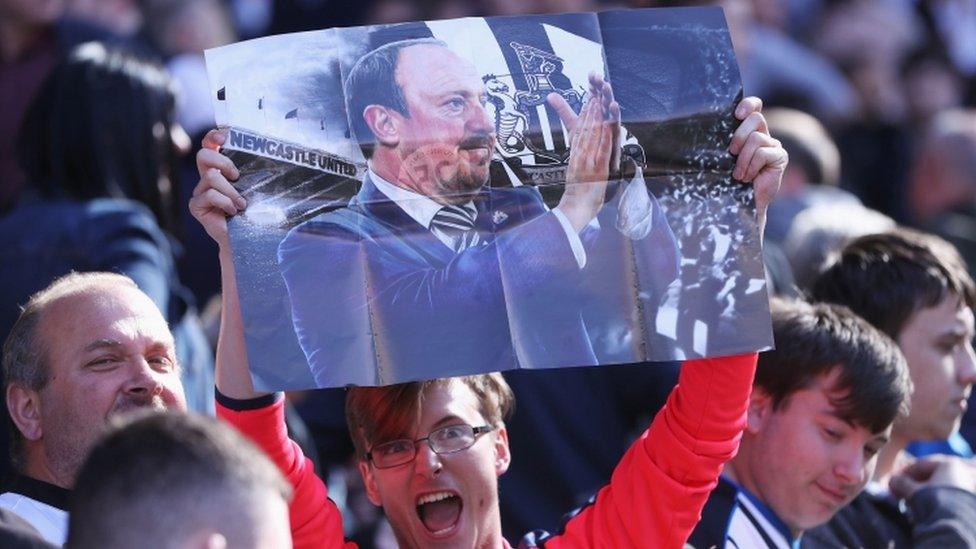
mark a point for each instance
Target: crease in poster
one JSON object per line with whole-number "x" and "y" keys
{"x": 454, "y": 197}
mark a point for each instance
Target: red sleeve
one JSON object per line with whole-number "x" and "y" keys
{"x": 660, "y": 486}
{"x": 315, "y": 519}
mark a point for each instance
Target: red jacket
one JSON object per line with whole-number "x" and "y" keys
{"x": 654, "y": 498}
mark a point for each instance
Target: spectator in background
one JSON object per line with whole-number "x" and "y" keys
{"x": 915, "y": 288}
{"x": 813, "y": 175}
{"x": 121, "y": 17}
{"x": 776, "y": 66}
{"x": 951, "y": 26}
{"x": 821, "y": 231}
{"x": 33, "y": 35}
{"x": 848, "y": 33}
{"x": 942, "y": 182}
{"x": 88, "y": 347}
{"x": 942, "y": 192}
{"x": 821, "y": 408}
{"x": 385, "y": 12}
{"x": 181, "y": 30}
{"x": 930, "y": 85}
{"x": 522, "y": 7}
{"x": 305, "y": 15}
{"x": 180, "y": 481}
{"x": 27, "y": 53}
{"x": 251, "y": 17}
{"x": 99, "y": 148}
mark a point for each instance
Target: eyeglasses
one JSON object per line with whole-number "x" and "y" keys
{"x": 446, "y": 440}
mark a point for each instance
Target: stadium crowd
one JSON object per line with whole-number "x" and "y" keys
{"x": 124, "y": 360}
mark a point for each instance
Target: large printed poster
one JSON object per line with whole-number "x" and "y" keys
{"x": 480, "y": 194}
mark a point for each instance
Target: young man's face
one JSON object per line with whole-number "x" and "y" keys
{"x": 937, "y": 343}
{"x": 803, "y": 460}
{"x": 465, "y": 484}
{"x": 445, "y": 144}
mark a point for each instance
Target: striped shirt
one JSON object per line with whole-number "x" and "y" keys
{"x": 734, "y": 518}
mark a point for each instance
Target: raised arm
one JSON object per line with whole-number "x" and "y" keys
{"x": 659, "y": 488}
{"x": 214, "y": 200}
{"x": 315, "y": 520}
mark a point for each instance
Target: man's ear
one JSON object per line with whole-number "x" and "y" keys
{"x": 24, "y": 407}
{"x": 369, "y": 481}
{"x": 760, "y": 407}
{"x": 503, "y": 457}
{"x": 381, "y": 121}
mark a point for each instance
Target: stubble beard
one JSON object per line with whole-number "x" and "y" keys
{"x": 72, "y": 440}
{"x": 446, "y": 174}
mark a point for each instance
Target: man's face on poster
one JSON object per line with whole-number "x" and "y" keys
{"x": 445, "y": 142}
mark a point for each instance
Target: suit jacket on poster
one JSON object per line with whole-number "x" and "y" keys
{"x": 377, "y": 298}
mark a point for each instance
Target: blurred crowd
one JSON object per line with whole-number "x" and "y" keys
{"x": 874, "y": 100}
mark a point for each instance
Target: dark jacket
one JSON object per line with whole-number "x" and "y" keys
{"x": 936, "y": 516}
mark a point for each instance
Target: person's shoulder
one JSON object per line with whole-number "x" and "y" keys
{"x": 28, "y": 521}
{"x": 15, "y": 532}
{"x": 116, "y": 206}
{"x": 121, "y": 219}
{"x": 78, "y": 216}
{"x": 867, "y": 521}
{"x": 716, "y": 517}
{"x": 938, "y": 500}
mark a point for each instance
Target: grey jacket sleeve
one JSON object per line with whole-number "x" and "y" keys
{"x": 943, "y": 517}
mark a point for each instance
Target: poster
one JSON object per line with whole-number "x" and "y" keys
{"x": 426, "y": 199}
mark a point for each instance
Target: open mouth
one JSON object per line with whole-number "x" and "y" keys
{"x": 439, "y": 512}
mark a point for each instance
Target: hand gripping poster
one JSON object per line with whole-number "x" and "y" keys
{"x": 454, "y": 197}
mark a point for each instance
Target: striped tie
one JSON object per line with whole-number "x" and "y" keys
{"x": 456, "y": 222}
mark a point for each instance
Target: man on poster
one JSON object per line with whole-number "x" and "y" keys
{"x": 431, "y": 270}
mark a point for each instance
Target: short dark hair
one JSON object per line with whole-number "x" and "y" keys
{"x": 99, "y": 127}
{"x": 157, "y": 476}
{"x": 814, "y": 339}
{"x": 886, "y": 278}
{"x": 381, "y": 414}
{"x": 372, "y": 81}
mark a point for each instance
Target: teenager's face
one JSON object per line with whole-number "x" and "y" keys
{"x": 465, "y": 484}
{"x": 803, "y": 461}
{"x": 937, "y": 343}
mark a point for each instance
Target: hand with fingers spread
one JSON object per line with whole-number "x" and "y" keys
{"x": 936, "y": 470}
{"x": 594, "y": 151}
{"x": 601, "y": 88}
{"x": 760, "y": 159}
{"x": 214, "y": 197}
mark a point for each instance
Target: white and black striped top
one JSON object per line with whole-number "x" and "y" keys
{"x": 735, "y": 519}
